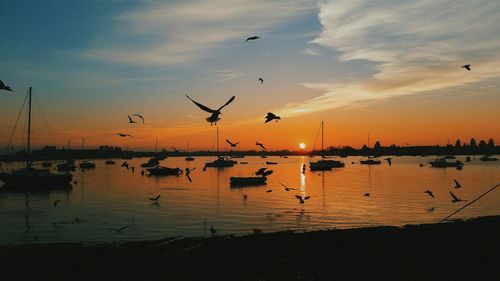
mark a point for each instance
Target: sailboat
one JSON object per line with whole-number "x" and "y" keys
{"x": 220, "y": 162}
{"x": 371, "y": 159}
{"x": 31, "y": 178}
{"x": 324, "y": 165}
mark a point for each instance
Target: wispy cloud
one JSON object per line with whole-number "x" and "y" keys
{"x": 172, "y": 33}
{"x": 417, "y": 47}
{"x": 311, "y": 52}
{"x": 226, "y": 75}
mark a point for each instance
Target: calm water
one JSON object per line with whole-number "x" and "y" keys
{"x": 111, "y": 197}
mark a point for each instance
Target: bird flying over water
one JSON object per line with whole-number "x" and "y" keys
{"x": 389, "y": 160}
{"x": 123, "y": 135}
{"x": 130, "y": 120}
{"x": 121, "y": 228}
{"x": 466, "y": 66}
{"x": 271, "y": 116}
{"x": 232, "y": 144}
{"x": 188, "y": 173}
{"x": 261, "y": 80}
{"x": 302, "y": 199}
{"x": 287, "y": 188}
{"x": 457, "y": 184}
{"x": 252, "y": 38}
{"x": 155, "y": 198}
{"x": 429, "y": 192}
{"x": 455, "y": 199}
{"x": 215, "y": 113}
{"x": 4, "y": 87}
{"x": 261, "y": 145}
{"x": 140, "y": 116}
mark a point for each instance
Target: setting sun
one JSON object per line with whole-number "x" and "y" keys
{"x": 302, "y": 145}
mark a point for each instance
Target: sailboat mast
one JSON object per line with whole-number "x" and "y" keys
{"x": 218, "y": 154}
{"x": 322, "y": 138}
{"x": 28, "y": 162}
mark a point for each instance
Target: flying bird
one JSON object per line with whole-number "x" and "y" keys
{"x": 140, "y": 116}
{"x": 366, "y": 194}
{"x": 4, "y": 87}
{"x": 466, "y": 66}
{"x": 455, "y": 199}
{"x": 123, "y": 135}
{"x": 271, "y": 116}
{"x": 261, "y": 80}
{"x": 269, "y": 190}
{"x": 429, "y": 192}
{"x": 121, "y": 228}
{"x": 130, "y": 121}
{"x": 215, "y": 113}
{"x": 252, "y": 38}
{"x": 389, "y": 160}
{"x": 155, "y": 198}
{"x": 457, "y": 184}
{"x": 302, "y": 199}
{"x": 232, "y": 144}
{"x": 287, "y": 188}
{"x": 261, "y": 145}
{"x": 188, "y": 173}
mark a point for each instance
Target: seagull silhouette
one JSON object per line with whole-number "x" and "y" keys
{"x": 389, "y": 160}
{"x": 140, "y": 116}
{"x": 121, "y": 228}
{"x": 188, "y": 173}
{"x": 260, "y": 171}
{"x": 155, "y": 198}
{"x": 4, "y": 87}
{"x": 429, "y": 192}
{"x": 366, "y": 194}
{"x": 130, "y": 120}
{"x": 232, "y": 144}
{"x": 269, "y": 190}
{"x": 252, "y": 38}
{"x": 123, "y": 135}
{"x": 287, "y": 188}
{"x": 455, "y": 199}
{"x": 261, "y": 80}
{"x": 212, "y": 119}
{"x": 261, "y": 145}
{"x": 466, "y": 66}
{"x": 457, "y": 184}
{"x": 302, "y": 199}
{"x": 271, "y": 116}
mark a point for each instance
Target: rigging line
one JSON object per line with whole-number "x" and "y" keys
{"x": 17, "y": 121}
{"x": 316, "y": 139}
{"x": 470, "y": 203}
{"x": 49, "y": 129}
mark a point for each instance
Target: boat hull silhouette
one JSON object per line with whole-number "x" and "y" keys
{"x": 30, "y": 179}
{"x": 164, "y": 171}
{"x": 325, "y": 165}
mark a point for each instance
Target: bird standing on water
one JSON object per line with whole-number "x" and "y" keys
{"x": 212, "y": 119}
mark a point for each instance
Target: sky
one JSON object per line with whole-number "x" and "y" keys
{"x": 391, "y": 68}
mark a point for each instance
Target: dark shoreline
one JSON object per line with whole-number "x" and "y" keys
{"x": 461, "y": 250}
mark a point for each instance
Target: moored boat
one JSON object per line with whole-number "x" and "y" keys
{"x": 87, "y": 165}
{"x": 324, "y": 165}
{"x": 164, "y": 171}
{"x": 488, "y": 158}
{"x": 443, "y": 163}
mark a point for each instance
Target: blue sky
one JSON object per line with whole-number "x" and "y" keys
{"x": 92, "y": 62}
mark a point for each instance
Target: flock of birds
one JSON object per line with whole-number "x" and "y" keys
{"x": 213, "y": 119}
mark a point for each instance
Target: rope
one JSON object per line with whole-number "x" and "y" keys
{"x": 468, "y": 204}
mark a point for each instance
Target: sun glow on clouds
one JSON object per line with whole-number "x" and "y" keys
{"x": 417, "y": 47}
